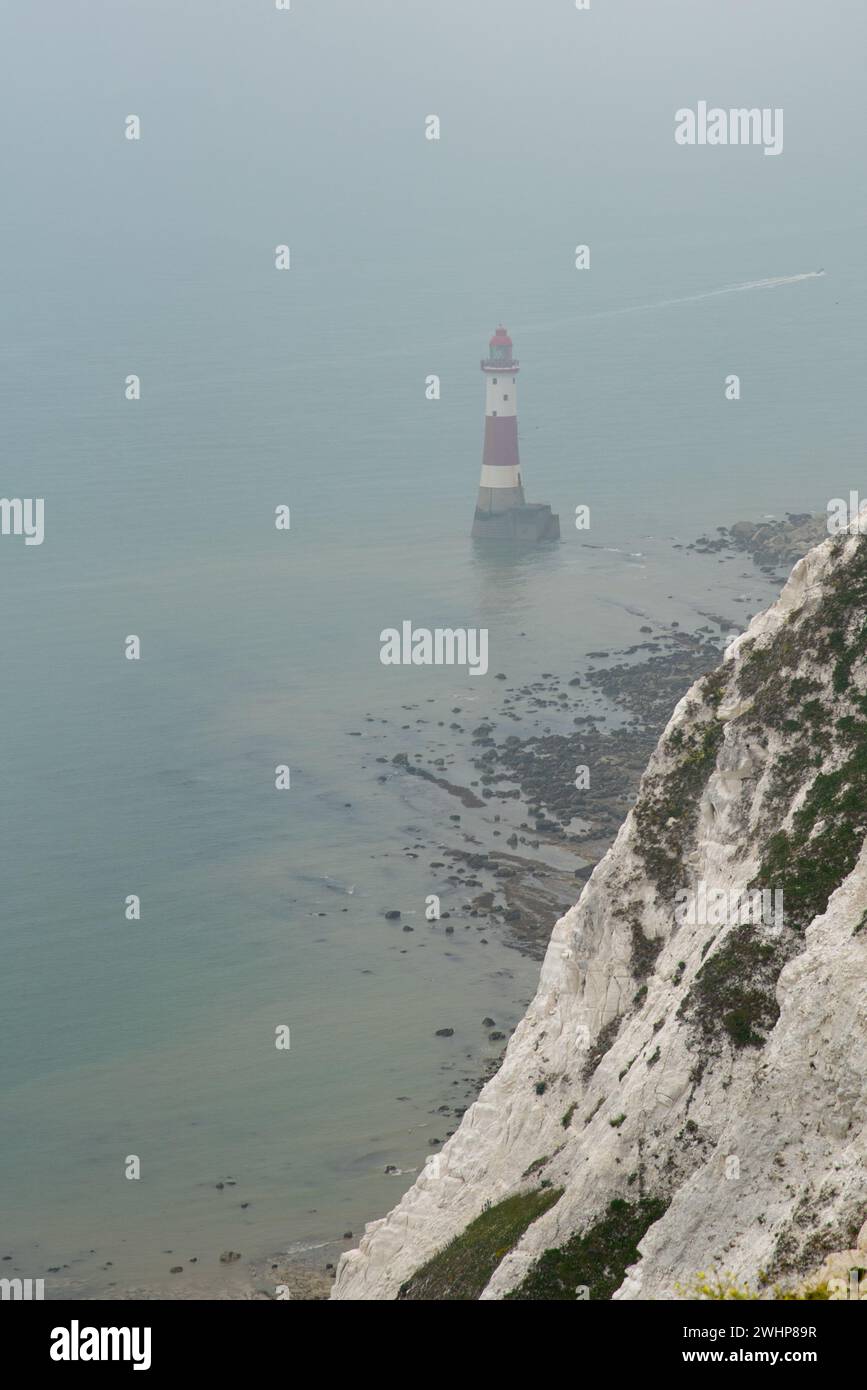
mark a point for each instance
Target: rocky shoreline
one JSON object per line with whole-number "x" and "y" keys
{"x": 526, "y": 787}
{"x": 771, "y": 543}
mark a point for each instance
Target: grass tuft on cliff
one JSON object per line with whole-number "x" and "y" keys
{"x": 460, "y": 1271}
{"x": 595, "y": 1262}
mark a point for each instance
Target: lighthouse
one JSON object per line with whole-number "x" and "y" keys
{"x": 501, "y": 510}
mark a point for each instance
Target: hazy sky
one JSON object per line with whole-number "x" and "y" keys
{"x": 255, "y": 119}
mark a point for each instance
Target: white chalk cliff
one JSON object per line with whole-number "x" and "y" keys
{"x": 717, "y": 1072}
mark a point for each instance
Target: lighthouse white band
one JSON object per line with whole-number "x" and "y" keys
{"x": 501, "y": 399}
{"x": 500, "y": 476}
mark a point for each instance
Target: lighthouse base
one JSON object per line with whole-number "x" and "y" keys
{"x": 530, "y": 522}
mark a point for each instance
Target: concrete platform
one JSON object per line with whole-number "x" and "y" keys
{"x": 533, "y": 522}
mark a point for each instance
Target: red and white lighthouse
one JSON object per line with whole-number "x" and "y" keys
{"x": 501, "y": 511}
{"x": 500, "y": 485}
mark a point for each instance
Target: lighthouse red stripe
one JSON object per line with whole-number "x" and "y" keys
{"x": 501, "y": 441}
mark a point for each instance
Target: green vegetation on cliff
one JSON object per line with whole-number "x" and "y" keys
{"x": 461, "y": 1270}
{"x": 808, "y": 852}
{"x": 597, "y": 1260}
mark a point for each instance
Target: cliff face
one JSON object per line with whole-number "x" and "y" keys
{"x": 691, "y": 1076}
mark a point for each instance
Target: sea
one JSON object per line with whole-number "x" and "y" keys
{"x": 147, "y": 1046}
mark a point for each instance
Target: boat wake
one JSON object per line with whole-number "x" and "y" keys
{"x": 772, "y": 282}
